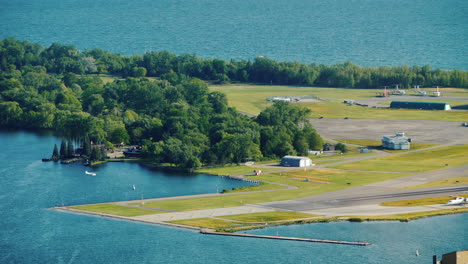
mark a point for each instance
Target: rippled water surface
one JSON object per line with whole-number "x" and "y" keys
{"x": 31, "y": 233}
{"x": 366, "y": 32}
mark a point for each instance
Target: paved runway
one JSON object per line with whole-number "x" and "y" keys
{"x": 439, "y": 132}
{"x": 316, "y": 202}
{"x": 378, "y": 192}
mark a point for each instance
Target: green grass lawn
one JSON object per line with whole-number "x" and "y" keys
{"x": 378, "y": 145}
{"x": 235, "y": 222}
{"x": 340, "y": 157}
{"x": 264, "y": 186}
{"x": 268, "y": 216}
{"x": 420, "y": 161}
{"x": 411, "y": 216}
{"x": 422, "y": 202}
{"x": 440, "y": 183}
{"x": 114, "y": 209}
{"x": 340, "y": 110}
{"x": 339, "y": 180}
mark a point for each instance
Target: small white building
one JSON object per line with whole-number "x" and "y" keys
{"x": 295, "y": 161}
{"x": 399, "y": 141}
{"x": 284, "y": 99}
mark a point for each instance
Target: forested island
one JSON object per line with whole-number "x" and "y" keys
{"x": 172, "y": 114}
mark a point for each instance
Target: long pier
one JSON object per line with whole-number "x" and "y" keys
{"x": 209, "y": 232}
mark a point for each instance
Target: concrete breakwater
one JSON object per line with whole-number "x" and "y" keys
{"x": 210, "y": 232}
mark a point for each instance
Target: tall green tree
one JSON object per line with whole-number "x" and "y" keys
{"x": 63, "y": 150}
{"x": 70, "y": 149}
{"x": 96, "y": 154}
{"x": 55, "y": 153}
{"x": 87, "y": 148}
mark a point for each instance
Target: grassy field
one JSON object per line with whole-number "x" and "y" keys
{"x": 243, "y": 221}
{"x": 339, "y": 180}
{"x": 264, "y": 186}
{"x": 377, "y": 145}
{"x": 422, "y": 202}
{"x": 440, "y": 183}
{"x": 420, "y": 161}
{"x": 212, "y": 223}
{"x": 340, "y": 110}
{"x": 408, "y": 216}
{"x": 252, "y": 98}
{"x": 341, "y": 157}
{"x": 114, "y": 209}
{"x": 268, "y": 216}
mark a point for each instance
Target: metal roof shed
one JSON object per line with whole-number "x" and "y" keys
{"x": 296, "y": 161}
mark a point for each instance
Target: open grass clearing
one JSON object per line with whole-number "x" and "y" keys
{"x": 340, "y": 110}
{"x": 422, "y": 202}
{"x": 374, "y": 144}
{"x": 268, "y": 216}
{"x": 339, "y": 180}
{"x": 420, "y": 161}
{"x": 114, "y": 209}
{"x": 440, "y": 183}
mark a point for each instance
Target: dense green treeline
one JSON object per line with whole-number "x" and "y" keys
{"x": 175, "y": 118}
{"x": 61, "y": 59}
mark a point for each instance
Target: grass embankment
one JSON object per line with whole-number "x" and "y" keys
{"x": 420, "y": 161}
{"x": 245, "y": 221}
{"x": 114, "y": 209}
{"x": 338, "y": 180}
{"x": 440, "y": 183}
{"x": 422, "y": 201}
{"x": 340, "y": 110}
{"x": 374, "y": 144}
{"x": 212, "y": 223}
{"x": 231, "y": 226}
{"x": 408, "y": 216}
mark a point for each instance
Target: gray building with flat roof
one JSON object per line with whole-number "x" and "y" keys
{"x": 399, "y": 141}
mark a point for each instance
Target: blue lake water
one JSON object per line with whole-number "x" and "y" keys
{"x": 31, "y": 233}
{"x": 366, "y": 32}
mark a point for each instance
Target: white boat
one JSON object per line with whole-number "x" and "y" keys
{"x": 134, "y": 188}
{"x": 90, "y": 173}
